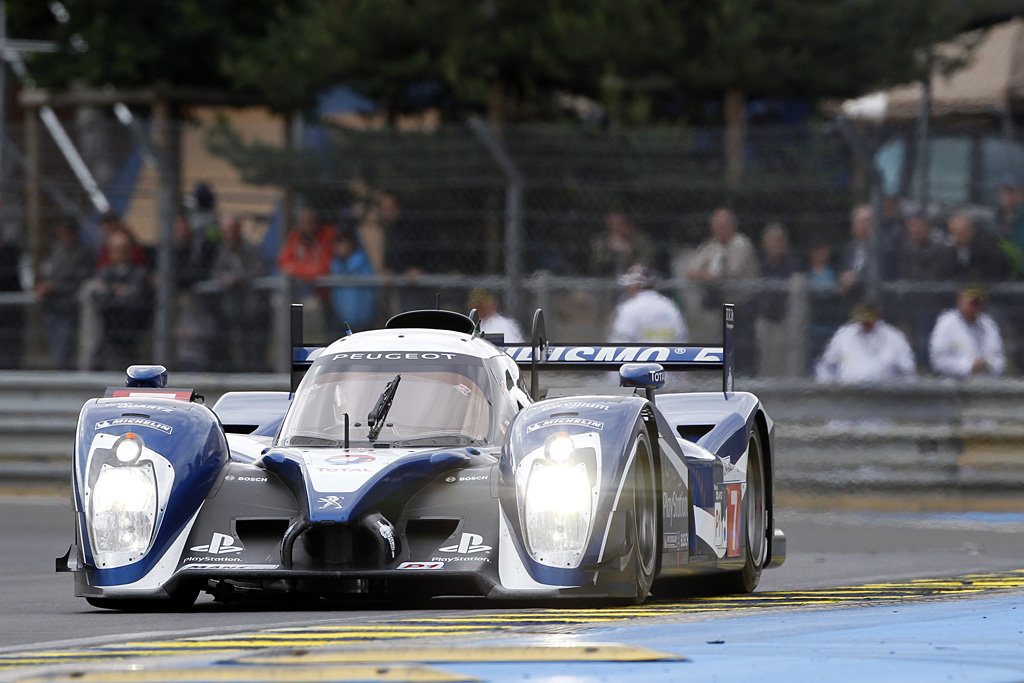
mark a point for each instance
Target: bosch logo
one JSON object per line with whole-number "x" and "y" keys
{"x": 350, "y": 459}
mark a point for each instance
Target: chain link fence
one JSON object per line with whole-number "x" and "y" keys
{"x": 527, "y": 212}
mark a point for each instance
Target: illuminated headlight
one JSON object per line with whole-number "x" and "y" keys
{"x": 128, "y": 448}
{"x": 124, "y": 507}
{"x": 559, "y": 448}
{"x": 557, "y": 510}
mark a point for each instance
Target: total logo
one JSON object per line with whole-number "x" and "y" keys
{"x": 357, "y": 459}
{"x": 220, "y": 544}
{"x": 468, "y": 545}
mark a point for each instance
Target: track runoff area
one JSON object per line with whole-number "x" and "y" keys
{"x": 968, "y": 626}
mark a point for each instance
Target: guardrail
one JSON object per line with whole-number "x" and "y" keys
{"x": 918, "y": 435}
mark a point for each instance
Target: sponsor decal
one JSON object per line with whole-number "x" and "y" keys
{"x": 583, "y": 404}
{"x": 140, "y": 406}
{"x": 461, "y": 559}
{"x": 462, "y": 389}
{"x": 719, "y": 522}
{"x": 559, "y": 421}
{"x": 451, "y": 478}
{"x": 394, "y": 355}
{"x": 347, "y": 470}
{"x": 354, "y": 459}
{"x": 219, "y": 544}
{"x": 620, "y": 354}
{"x": 734, "y": 494}
{"x": 674, "y": 505}
{"x": 135, "y": 422}
{"x": 468, "y": 545}
{"x": 258, "y": 480}
{"x": 671, "y": 541}
{"x": 208, "y": 565}
{"x": 420, "y": 565}
{"x": 331, "y": 502}
{"x": 388, "y": 534}
{"x": 143, "y": 393}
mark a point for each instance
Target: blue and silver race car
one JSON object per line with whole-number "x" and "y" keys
{"x": 415, "y": 461}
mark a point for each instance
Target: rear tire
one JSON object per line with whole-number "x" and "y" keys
{"x": 645, "y": 521}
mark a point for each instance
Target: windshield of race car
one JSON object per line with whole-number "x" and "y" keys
{"x": 433, "y": 404}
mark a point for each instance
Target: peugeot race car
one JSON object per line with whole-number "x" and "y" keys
{"x": 414, "y": 460}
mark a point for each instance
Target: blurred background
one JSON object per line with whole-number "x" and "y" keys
{"x": 173, "y": 174}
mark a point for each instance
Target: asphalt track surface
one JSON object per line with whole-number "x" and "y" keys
{"x": 863, "y": 595}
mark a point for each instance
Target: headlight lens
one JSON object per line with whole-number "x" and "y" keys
{"x": 557, "y": 509}
{"x": 128, "y": 448}
{"x": 124, "y": 505}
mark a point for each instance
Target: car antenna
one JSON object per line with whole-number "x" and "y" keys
{"x": 348, "y": 331}
{"x": 437, "y": 300}
{"x": 346, "y": 424}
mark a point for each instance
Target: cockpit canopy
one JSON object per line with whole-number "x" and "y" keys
{"x": 438, "y": 402}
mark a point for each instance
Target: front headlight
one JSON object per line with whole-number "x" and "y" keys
{"x": 557, "y": 511}
{"x": 124, "y": 508}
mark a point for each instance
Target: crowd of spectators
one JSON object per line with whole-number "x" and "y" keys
{"x": 222, "y": 322}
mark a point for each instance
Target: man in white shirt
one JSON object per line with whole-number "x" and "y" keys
{"x": 867, "y": 349}
{"x": 646, "y": 316}
{"x": 492, "y": 322}
{"x": 965, "y": 340}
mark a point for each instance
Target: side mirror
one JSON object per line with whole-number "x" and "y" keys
{"x": 649, "y": 376}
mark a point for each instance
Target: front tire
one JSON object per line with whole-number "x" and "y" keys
{"x": 645, "y": 521}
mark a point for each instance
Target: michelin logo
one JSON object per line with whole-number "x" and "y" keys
{"x": 136, "y": 422}
{"x": 558, "y": 421}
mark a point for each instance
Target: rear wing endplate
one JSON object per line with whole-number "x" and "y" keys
{"x": 540, "y": 355}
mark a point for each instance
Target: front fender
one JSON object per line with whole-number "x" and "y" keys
{"x": 604, "y": 430}
{"x": 184, "y": 445}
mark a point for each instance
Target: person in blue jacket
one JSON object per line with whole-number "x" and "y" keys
{"x": 352, "y": 304}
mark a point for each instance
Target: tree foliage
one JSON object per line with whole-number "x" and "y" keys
{"x": 508, "y": 56}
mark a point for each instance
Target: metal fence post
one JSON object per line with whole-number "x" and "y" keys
{"x": 513, "y": 211}
{"x": 797, "y": 325}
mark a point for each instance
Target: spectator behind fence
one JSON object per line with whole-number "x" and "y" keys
{"x": 492, "y": 322}
{"x": 69, "y": 264}
{"x": 12, "y": 316}
{"x": 195, "y": 325}
{"x": 921, "y": 261}
{"x": 411, "y": 250}
{"x": 204, "y": 213}
{"x": 865, "y": 350}
{"x": 826, "y": 306}
{"x": 123, "y": 300}
{"x": 305, "y": 256}
{"x": 646, "y": 316}
{"x": 778, "y": 263}
{"x": 620, "y": 246}
{"x": 972, "y": 256}
{"x": 726, "y": 255}
{"x": 242, "y": 308}
{"x": 893, "y": 237}
{"x": 853, "y": 266}
{"x": 110, "y": 222}
{"x": 353, "y": 305}
{"x": 966, "y": 340}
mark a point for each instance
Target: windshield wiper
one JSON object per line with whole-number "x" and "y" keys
{"x": 375, "y": 420}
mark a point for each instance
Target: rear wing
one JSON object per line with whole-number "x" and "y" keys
{"x": 539, "y": 354}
